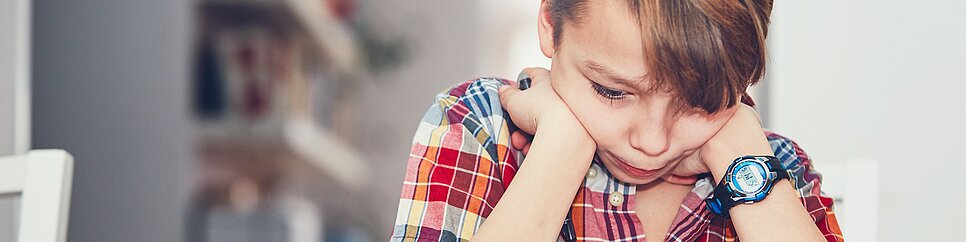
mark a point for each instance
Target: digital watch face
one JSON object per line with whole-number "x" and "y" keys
{"x": 748, "y": 177}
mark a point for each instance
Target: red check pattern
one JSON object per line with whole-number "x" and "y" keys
{"x": 461, "y": 163}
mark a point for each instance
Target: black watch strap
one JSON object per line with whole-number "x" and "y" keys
{"x": 722, "y": 199}
{"x": 775, "y": 165}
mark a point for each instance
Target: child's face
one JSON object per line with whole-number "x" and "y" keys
{"x": 650, "y": 131}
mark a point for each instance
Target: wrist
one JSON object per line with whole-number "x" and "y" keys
{"x": 718, "y": 157}
{"x": 562, "y": 133}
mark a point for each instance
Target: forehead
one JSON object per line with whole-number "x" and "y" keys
{"x": 607, "y": 33}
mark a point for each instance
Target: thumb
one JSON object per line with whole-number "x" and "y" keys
{"x": 507, "y": 94}
{"x": 513, "y": 102}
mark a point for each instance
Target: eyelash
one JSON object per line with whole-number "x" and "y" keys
{"x": 607, "y": 93}
{"x": 618, "y": 95}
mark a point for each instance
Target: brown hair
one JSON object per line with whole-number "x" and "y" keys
{"x": 707, "y": 51}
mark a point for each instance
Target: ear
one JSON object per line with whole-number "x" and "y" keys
{"x": 545, "y": 29}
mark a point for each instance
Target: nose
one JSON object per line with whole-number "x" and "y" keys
{"x": 651, "y": 136}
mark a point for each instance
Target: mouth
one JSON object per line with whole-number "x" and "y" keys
{"x": 637, "y": 172}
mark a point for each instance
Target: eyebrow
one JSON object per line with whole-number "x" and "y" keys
{"x": 599, "y": 69}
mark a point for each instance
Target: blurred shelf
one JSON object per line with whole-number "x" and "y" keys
{"x": 271, "y": 117}
{"x": 261, "y": 58}
{"x": 313, "y": 18}
{"x": 298, "y": 136}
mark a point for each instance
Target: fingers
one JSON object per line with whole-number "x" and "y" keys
{"x": 507, "y": 94}
{"x": 518, "y": 140}
{"x": 686, "y": 172}
{"x": 537, "y": 73}
{"x": 525, "y": 107}
{"x": 681, "y": 180}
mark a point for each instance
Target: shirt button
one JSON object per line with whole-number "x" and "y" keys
{"x": 592, "y": 173}
{"x": 616, "y": 198}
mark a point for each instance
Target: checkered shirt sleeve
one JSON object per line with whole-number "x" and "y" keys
{"x": 459, "y": 165}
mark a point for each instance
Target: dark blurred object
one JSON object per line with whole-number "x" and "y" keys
{"x": 382, "y": 54}
{"x": 209, "y": 84}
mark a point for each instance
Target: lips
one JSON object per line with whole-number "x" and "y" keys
{"x": 634, "y": 171}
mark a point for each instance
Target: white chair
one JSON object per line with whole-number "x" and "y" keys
{"x": 42, "y": 178}
{"x": 854, "y": 184}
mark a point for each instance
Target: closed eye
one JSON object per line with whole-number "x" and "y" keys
{"x": 607, "y": 93}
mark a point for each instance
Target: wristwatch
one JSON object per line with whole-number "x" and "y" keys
{"x": 748, "y": 180}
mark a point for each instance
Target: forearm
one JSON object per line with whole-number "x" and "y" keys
{"x": 535, "y": 204}
{"x": 779, "y": 217}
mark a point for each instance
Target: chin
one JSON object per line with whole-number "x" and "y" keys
{"x": 616, "y": 167}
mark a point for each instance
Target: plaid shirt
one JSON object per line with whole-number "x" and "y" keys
{"x": 461, "y": 163}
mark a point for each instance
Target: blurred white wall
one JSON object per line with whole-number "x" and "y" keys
{"x": 882, "y": 80}
{"x": 510, "y": 27}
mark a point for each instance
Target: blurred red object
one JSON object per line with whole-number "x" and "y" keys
{"x": 343, "y": 10}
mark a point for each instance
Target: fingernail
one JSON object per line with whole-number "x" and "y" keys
{"x": 523, "y": 81}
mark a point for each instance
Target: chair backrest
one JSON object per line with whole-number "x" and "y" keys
{"x": 854, "y": 184}
{"x": 43, "y": 180}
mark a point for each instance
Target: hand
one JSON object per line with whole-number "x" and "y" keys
{"x": 554, "y": 168}
{"x": 536, "y": 107}
{"x": 686, "y": 172}
{"x": 521, "y": 141}
{"x": 741, "y": 135}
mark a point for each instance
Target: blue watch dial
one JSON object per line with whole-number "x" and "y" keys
{"x": 748, "y": 180}
{"x": 748, "y": 177}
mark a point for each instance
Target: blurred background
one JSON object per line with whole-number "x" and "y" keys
{"x": 291, "y": 120}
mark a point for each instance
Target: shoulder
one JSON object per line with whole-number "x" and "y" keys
{"x": 480, "y": 96}
{"x": 474, "y": 107}
{"x": 799, "y": 165}
{"x": 467, "y": 127}
{"x": 478, "y": 86}
{"x": 787, "y": 150}
{"x": 467, "y": 102}
{"x": 459, "y": 165}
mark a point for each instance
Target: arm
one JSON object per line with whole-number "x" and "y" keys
{"x": 462, "y": 134}
{"x": 534, "y": 206}
{"x": 780, "y": 216}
